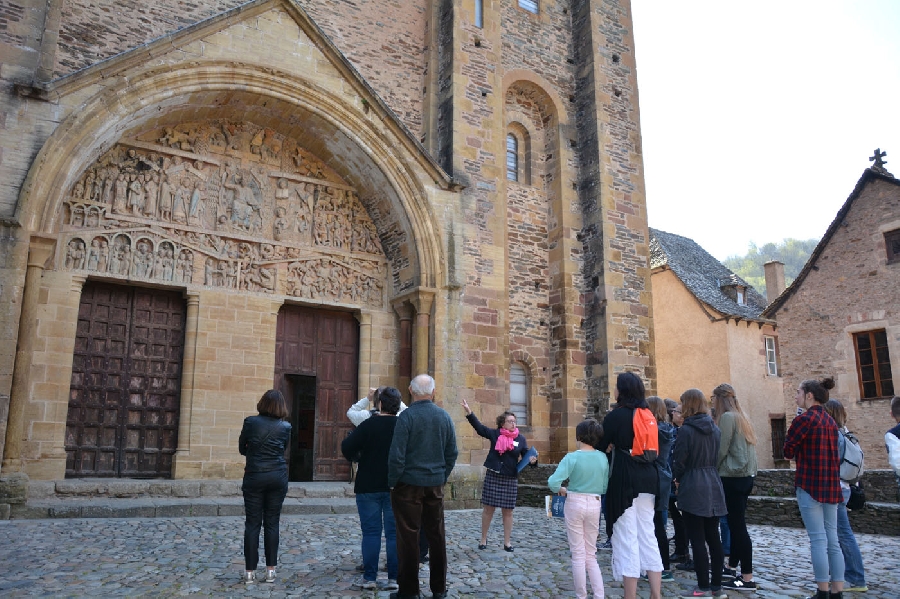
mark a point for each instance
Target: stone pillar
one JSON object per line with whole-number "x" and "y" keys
{"x": 404, "y": 311}
{"x": 365, "y": 353}
{"x": 188, "y": 371}
{"x": 422, "y": 301}
{"x": 39, "y": 252}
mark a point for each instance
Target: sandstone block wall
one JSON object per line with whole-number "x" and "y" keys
{"x": 850, "y": 290}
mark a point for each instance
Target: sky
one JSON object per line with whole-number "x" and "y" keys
{"x": 758, "y": 118}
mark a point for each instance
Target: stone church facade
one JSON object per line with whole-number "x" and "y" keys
{"x": 199, "y": 202}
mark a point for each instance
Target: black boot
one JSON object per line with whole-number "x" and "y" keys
{"x": 821, "y": 595}
{"x": 837, "y": 595}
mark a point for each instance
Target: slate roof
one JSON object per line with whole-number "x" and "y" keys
{"x": 870, "y": 174}
{"x": 703, "y": 275}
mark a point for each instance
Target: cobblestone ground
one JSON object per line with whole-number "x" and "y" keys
{"x": 202, "y": 556}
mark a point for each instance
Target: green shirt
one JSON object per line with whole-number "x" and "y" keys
{"x": 587, "y": 471}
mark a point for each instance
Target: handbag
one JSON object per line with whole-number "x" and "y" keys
{"x": 556, "y": 506}
{"x": 857, "y": 499}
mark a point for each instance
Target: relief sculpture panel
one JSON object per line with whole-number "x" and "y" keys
{"x": 223, "y": 204}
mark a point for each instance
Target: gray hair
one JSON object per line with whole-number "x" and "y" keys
{"x": 422, "y": 385}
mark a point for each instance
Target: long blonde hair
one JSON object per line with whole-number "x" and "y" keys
{"x": 724, "y": 400}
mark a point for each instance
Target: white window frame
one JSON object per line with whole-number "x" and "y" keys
{"x": 771, "y": 356}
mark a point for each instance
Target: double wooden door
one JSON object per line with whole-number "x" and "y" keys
{"x": 316, "y": 367}
{"x": 124, "y": 397}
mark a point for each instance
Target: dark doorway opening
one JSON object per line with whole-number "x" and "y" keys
{"x": 300, "y": 392}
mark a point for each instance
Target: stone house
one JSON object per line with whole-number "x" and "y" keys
{"x": 709, "y": 329}
{"x": 201, "y": 201}
{"x": 839, "y": 317}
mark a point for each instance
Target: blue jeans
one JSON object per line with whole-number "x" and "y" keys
{"x": 854, "y": 573}
{"x": 820, "y": 520}
{"x": 374, "y": 513}
{"x": 264, "y": 494}
{"x": 725, "y": 535}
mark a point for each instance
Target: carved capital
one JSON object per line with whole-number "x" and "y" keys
{"x": 39, "y": 250}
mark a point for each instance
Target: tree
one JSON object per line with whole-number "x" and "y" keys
{"x": 792, "y": 252}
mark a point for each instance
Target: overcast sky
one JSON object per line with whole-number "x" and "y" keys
{"x": 759, "y": 117}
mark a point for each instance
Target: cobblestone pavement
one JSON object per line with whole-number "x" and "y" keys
{"x": 137, "y": 557}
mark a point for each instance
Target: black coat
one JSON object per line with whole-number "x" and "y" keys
{"x": 506, "y": 464}
{"x": 694, "y": 466}
{"x": 628, "y": 477}
{"x": 263, "y": 440}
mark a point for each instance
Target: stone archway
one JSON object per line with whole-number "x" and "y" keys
{"x": 237, "y": 202}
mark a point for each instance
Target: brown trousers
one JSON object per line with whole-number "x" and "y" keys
{"x": 419, "y": 507}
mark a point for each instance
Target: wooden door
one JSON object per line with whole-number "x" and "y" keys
{"x": 124, "y": 396}
{"x": 323, "y": 345}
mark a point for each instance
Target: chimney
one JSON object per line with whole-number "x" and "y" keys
{"x": 774, "y": 279}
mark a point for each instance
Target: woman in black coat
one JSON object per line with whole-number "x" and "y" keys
{"x": 263, "y": 440}
{"x": 501, "y": 480}
{"x": 700, "y": 495}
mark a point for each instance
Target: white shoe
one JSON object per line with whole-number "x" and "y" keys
{"x": 249, "y": 577}
{"x": 270, "y": 575}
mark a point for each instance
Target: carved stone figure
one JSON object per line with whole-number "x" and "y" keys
{"x": 75, "y": 254}
{"x": 120, "y": 199}
{"x": 93, "y": 259}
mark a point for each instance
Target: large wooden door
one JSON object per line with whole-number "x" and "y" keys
{"x": 323, "y": 345}
{"x": 124, "y": 397}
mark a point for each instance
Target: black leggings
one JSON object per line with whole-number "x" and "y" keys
{"x": 737, "y": 490}
{"x": 702, "y": 532}
{"x": 662, "y": 538}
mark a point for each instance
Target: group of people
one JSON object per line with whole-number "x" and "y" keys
{"x": 703, "y": 472}
{"x": 405, "y": 456}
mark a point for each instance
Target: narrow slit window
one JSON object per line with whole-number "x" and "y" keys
{"x": 518, "y": 393}
{"x": 512, "y": 157}
{"x": 479, "y": 13}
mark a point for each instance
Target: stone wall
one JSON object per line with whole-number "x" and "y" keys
{"x": 848, "y": 290}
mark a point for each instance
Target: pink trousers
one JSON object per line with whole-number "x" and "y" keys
{"x": 582, "y": 526}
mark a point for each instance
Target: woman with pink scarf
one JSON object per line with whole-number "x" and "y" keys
{"x": 501, "y": 482}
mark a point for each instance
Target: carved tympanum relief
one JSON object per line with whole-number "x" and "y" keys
{"x": 224, "y": 204}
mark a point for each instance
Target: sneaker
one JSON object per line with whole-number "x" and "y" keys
{"x": 697, "y": 592}
{"x": 739, "y": 584}
{"x": 718, "y": 593}
{"x": 729, "y": 572}
{"x": 856, "y": 589}
{"x": 687, "y": 566}
{"x": 606, "y": 545}
{"x": 270, "y": 575}
{"x": 362, "y": 583}
{"x": 679, "y": 557}
{"x": 424, "y": 559}
{"x": 388, "y": 585}
{"x": 248, "y": 577}
{"x": 666, "y": 576}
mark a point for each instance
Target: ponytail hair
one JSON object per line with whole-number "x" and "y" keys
{"x": 819, "y": 389}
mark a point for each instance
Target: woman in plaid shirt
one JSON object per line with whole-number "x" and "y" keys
{"x": 813, "y": 442}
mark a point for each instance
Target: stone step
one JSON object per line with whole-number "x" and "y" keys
{"x": 160, "y": 507}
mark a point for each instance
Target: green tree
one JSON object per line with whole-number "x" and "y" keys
{"x": 792, "y": 252}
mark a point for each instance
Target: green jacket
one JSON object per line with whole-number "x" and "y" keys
{"x": 737, "y": 457}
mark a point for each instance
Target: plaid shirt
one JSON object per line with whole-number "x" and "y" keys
{"x": 813, "y": 441}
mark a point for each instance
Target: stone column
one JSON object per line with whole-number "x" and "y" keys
{"x": 39, "y": 252}
{"x": 365, "y": 353}
{"x": 188, "y": 370}
{"x": 404, "y": 311}
{"x": 422, "y": 301}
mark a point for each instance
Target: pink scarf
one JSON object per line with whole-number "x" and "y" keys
{"x": 505, "y": 440}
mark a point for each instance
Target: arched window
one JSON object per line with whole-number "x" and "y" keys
{"x": 518, "y": 393}
{"x": 512, "y": 157}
